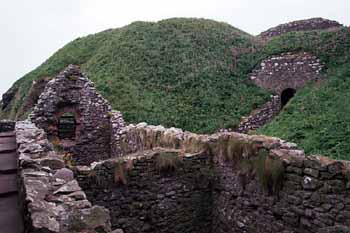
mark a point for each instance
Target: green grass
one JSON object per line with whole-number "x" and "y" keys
{"x": 179, "y": 72}
{"x": 318, "y": 117}
{"x": 176, "y": 72}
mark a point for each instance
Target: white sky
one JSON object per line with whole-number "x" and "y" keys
{"x": 32, "y": 30}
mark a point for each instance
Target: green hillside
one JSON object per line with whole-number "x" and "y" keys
{"x": 318, "y": 118}
{"x": 176, "y": 72}
{"x": 180, "y": 72}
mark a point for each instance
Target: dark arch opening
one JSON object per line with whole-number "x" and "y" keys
{"x": 286, "y": 95}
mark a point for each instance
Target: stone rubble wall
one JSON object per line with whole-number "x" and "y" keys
{"x": 117, "y": 124}
{"x": 314, "y": 196}
{"x": 301, "y": 25}
{"x": 142, "y": 198}
{"x": 52, "y": 200}
{"x": 260, "y": 116}
{"x": 72, "y": 92}
{"x": 288, "y": 70}
{"x": 314, "y": 193}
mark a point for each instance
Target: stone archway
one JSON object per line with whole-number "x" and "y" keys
{"x": 286, "y": 95}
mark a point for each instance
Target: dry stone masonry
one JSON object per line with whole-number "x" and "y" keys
{"x": 301, "y": 25}
{"x": 261, "y": 116}
{"x": 52, "y": 199}
{"x": 143, "y": 197}
{"x": 143, "y": 178}
{"x": 72, "y": 93}
{"x": 283, "y": 75}
{"x": 289, "y": 70}
{"x": 280, "y": 190}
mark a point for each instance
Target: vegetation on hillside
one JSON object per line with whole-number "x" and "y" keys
{"x": 180, "y": 72}
{"x": 176, "y": 72}
{"x": 318, "y": 117}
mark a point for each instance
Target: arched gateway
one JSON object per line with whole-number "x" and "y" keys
{"x": 286, "y": 95}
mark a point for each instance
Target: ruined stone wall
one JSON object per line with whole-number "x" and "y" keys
{"x": 312, "y": 196}
{"x": 52, "y": 199}
{"x": 261, "y": 116}
{"x": 117, "y": 124}
{"x": 289, "y": 70}
{"x": 143, "y": 195}
{"x": 71, "y": 92}
{"x": 280, "y": 190}
{"x": 301, "y": 25}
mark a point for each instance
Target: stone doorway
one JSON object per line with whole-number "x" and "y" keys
{"x": 286, "y": 95}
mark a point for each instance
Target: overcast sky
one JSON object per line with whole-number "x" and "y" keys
{"x": 31, "y": 31}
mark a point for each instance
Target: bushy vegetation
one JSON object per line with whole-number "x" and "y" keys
{"x": 180, "y": 72}
{"x": 318, "y": 117}
{"x": 176, "y": 72}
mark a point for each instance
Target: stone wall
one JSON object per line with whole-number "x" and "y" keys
{"x": 71, "y": 92}
{"x": 301, "y": 25}
{"x": 261, "y": 116}
{"x": 261, "y": 184}
{"x": 117, "y": 125}
{"x": 52, "y": 199}
{"x": 143, "y": 195}
{"x": 289, "y": 70}
{"x": 312, "y": 196}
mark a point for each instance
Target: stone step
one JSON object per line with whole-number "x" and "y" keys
{"x": 7, "y": 134}
{"x": 8, "y": 163}
{"x": 8, "y": 147}
{"x": 5, "y": 140}
{"x": 10, "y": 215}
{"x": 8, "y": 184}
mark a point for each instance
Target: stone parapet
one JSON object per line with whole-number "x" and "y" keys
{"x": 260, "y": 184}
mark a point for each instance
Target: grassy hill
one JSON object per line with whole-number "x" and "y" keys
{"x": 176, "y": 72}
{"x": 318, "y": 118}
{"x": 180, "y": 72}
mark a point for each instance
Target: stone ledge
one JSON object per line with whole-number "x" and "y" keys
{"x": 51, "y": 197}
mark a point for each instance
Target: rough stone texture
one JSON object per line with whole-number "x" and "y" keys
{"x": 146, "y": 199}
{"x": 71, "y": 92}
{"x": 276, "y": 74}
{"x": 7, "y": 126}
{"x": 117, "y": 124}
{"x": 51, "y": 204}
{"x": 289, "y": 70}
{"x": 313, "y": 196}
{"x": 301, "y": 25}
{"x": 261, "y": 116}
{"x": 304, "y": 204}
